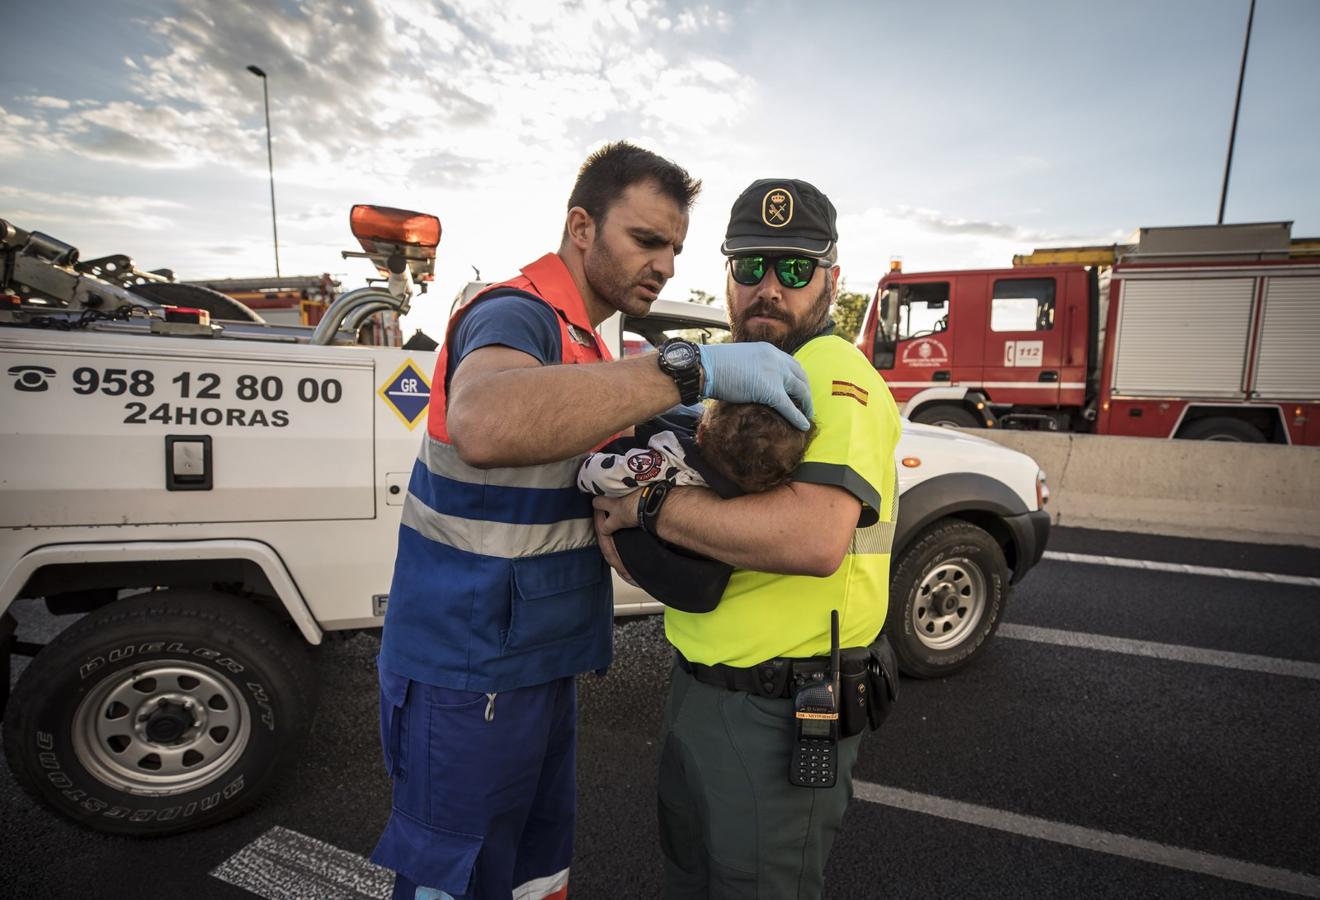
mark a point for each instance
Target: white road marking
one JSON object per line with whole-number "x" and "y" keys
{"x": 1182, "y": 568}
{"x": 1248, "y": 662}
{"x": 285, "y": 865}
{"x": 1093, "y": 839}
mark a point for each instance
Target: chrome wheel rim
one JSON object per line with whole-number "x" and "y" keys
{"x": 161, "y": 730}
{"x": 950, "y": 602}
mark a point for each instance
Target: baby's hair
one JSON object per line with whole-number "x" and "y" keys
{"x": 750, "y": 444}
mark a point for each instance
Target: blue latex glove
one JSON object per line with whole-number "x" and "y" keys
{"x": 757, "y": 372}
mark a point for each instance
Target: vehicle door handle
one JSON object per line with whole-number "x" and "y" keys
{"x": 941, "y": 375}
{"x": 188, "y": 462}
{"x": 1048, "y": 376}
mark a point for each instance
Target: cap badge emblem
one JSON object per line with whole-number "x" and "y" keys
{"x": 777, "y": 208}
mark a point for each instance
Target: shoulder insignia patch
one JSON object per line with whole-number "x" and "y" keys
{"x": 848, "y": 389}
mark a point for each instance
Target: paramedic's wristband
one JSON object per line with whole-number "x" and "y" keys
{"x": 649, "y": 501}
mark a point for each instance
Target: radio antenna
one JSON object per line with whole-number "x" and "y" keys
{"x": 834, "y": 645}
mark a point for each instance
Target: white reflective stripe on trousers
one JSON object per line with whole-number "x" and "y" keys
{"x": 543, "y": 888}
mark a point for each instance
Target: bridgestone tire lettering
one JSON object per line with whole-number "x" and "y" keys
{"x": 261, "y": 662}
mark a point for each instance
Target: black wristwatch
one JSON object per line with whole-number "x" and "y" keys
{"x": 681, "y": 361}
{"x": 649, "y": 501}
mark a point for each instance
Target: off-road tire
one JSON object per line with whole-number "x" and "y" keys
{"x": 946, "y": 598}
{"x": 1222, "y": 428}
{"x": 946, "y": 415}
{"x": 164, "y": 674}
{"x": 220, "y": 306}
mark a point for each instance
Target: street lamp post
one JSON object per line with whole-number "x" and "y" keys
{"x": 270, "y": 162}
{"x": 1237, "y": 104}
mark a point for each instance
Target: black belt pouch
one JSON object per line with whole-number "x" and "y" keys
{"x": 868, "y": 682}
{"x": 882, "y": 676}
{"x": 854, "y": 690}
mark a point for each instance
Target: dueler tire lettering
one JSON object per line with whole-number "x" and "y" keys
{"x": 947, "y": 557}
{"x": 179, "y": 660}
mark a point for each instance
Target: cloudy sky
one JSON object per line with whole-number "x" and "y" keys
{"x": 949, "y": 132}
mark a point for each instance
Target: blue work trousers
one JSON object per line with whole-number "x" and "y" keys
{"x": 484, "y": 790}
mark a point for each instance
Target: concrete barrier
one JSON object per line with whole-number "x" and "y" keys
{"x": 1262, "y": 493}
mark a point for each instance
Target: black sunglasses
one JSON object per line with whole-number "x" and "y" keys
{"x": 792, "y": 271}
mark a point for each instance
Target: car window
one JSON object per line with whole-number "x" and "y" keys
{"x": 1022, "y": 304}
{"x": 643, "y": 335}
{"x": 923, "y": 309}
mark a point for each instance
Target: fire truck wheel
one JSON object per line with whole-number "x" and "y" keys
{"x": 219, "y": 305}
{"x": 946, "y": 598}
{"x": 1222, "y": 428}
{"x": 946, "y": 414}
{"x": 160, "y": 713}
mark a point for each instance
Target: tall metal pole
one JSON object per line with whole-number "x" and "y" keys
{"x": 270, "y": 162}
{"x": 1237, "y": 104}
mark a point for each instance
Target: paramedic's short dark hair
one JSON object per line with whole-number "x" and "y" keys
{"x": 751, "y": 445}
{"x": 614, "y": 168}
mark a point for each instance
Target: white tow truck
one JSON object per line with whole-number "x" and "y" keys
{"x": 216, "y": 498}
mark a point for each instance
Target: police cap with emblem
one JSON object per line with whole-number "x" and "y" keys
{"x": 782, "y": 215}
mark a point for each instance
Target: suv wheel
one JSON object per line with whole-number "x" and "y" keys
{"x": 947, "y": 596}
{"x": 946, "y": 415}
{"x": 160, "y": 713}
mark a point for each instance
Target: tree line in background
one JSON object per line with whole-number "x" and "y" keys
{"x": 849, "y": 307}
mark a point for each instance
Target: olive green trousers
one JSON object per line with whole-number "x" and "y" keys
{"x": 731, "y": 826}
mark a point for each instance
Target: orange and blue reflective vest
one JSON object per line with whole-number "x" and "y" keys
{"x": 498, "y": 582}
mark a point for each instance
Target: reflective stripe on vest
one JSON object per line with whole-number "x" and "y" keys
{"x": 879, "y": 536}
{"x": 529, "y": 512}
{"x": 498, "y": 582}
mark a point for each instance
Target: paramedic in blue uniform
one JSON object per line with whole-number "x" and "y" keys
{"x": 500, "y": 595}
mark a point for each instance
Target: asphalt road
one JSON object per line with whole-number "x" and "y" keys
{"x": 1075, "y": 759}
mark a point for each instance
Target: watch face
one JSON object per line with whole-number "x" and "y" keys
{"x": 680, "y": 356}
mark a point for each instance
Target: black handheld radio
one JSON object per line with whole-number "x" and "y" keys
{"x": 814, "y": 762}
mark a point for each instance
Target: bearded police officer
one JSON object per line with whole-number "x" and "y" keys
{"x": 500, "y": 595}
{"x": 755, "y": 768}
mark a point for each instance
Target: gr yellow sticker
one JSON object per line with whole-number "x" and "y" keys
{"x": 407, "y": 393}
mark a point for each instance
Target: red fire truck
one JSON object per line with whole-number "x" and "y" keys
{"x": 1208, "y": 332}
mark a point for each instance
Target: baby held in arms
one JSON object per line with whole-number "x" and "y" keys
{"x": 732, "y": 448}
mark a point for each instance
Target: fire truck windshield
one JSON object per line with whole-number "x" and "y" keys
{"x": 916, "y": 309}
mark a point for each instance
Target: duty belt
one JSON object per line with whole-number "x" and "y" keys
{"x": 774, "y": 677}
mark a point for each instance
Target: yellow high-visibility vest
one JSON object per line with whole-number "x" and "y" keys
{"x": 762, "y": 615}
